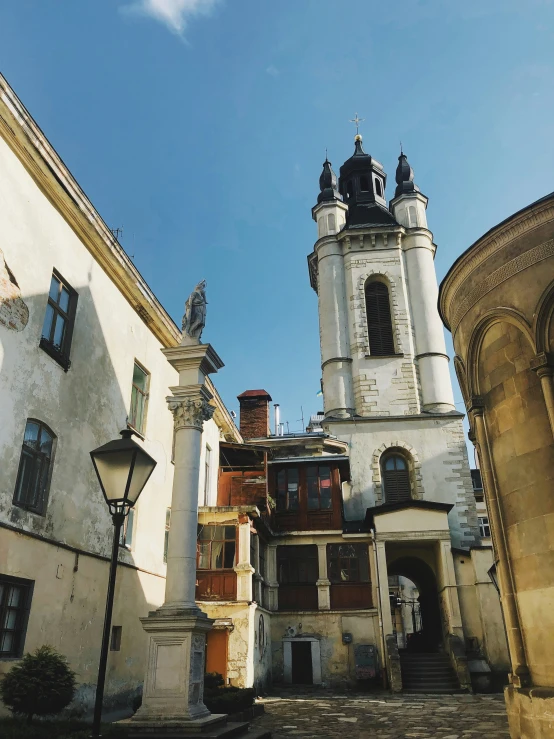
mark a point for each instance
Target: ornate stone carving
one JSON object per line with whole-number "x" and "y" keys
{"x": 190, "y": 412}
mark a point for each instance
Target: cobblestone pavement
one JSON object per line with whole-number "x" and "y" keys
{"x": 372, "y": 716}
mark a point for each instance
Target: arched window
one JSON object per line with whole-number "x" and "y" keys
{"x": 33, "y": 477}
{"x": 378, "y": 187}
{"x": 395, "y": 474}
{"x": 379, "y": 322}
{"x": 331, "y": 223}
{"x": 412, "y": 216}
{"x": 364, "y": 184}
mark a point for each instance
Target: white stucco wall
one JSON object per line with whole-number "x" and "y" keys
{"x": 85, "y": 408}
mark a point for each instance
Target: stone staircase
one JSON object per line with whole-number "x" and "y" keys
{"x": 427, "y": 673}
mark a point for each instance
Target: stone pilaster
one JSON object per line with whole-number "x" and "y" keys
{"x": 323, "y": 583}
{"x": 243, "y": 567}
{"x": 271, "y": 578}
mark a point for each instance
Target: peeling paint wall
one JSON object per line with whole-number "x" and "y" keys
{"x": 337, "y": 659}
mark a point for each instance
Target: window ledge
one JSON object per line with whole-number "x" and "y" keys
{"x": 384, "y": 356}
{"x": 29, "y": 509}
{"x": 56, "y": 354}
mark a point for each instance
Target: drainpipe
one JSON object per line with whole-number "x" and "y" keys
{"x": 381, "y": 630}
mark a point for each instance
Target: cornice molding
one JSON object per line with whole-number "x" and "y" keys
{"x": 29, "y": 144}
{"x": 474, "y": 258}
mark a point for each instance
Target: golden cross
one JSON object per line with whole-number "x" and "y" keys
{"x": 357, "y": 121}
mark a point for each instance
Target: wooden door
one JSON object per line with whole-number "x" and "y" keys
{"x": 217, "y": 643}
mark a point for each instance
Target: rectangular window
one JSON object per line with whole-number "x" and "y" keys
{"x": 318, "y": 483}
{"x": 57, "y": 329}
{"x": 139, "y": 398}
{"x": 15, "y": 602}
{"x": 347, "y": 563}
{"x": 216, "y": 547}
{"x": 484, "y": 528}
{"x": 297, "y": 564}
{"x": 126, "y": 537}
{"x": 207, "y": 475}
{"x": 287, "y": 489}
{"x": 115, "y": 641}
{"x": 166, "y": 534}
{"x": 35, "y": 464}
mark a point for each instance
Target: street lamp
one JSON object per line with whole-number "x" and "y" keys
{"x": 123, "y": 469}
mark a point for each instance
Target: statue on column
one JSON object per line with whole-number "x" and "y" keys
{"x": 194, "y": 319}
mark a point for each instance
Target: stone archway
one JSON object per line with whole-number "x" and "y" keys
{"x": 430, "y": 636}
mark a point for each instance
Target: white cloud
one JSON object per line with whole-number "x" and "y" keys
{"x": 175, "y": 14}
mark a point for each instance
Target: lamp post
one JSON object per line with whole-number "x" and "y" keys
{"x": 123, "y": 469}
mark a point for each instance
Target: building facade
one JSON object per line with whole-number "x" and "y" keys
{"x": 498, "y": 301}
{"x": 80, "y": 359}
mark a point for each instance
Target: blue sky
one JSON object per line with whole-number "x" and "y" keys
{"x": 200, "y": 127}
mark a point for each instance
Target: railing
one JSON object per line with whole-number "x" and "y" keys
{"x": 216, "y": 585}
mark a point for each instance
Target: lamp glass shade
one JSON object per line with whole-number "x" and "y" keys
{"x": 123, "y": 469}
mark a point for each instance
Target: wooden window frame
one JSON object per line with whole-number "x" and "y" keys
{"x": 297, "y": 593}
{"x": 303, "y": 517}
{"x": 211, "y": 542}
{"x": 380, "y": 324}
{"x": 396, "y": 495}
{"x": 484, "y": 523}
{"x": 60, "y": 353}
{"x": 131, "y": 420}
{"x": 294, "y": 549}
{"x": 360, "y": 550}
{"x": 22, "y": 614}
{"x": 285, "y": 471}
{"x": 40, "y": 508}
{"x": 166, "y": 533}
{"x": 354, "y": 592}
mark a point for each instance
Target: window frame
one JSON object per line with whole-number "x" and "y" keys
{"x": 318, "y": 466}
{"x": 389, "y": 454}
{"x": 361, "y": 551}
{"x": 145, "y": 395}
{"x": 287, "y": 508}
{"x": 166, "y": 533}
{"x": 207, "y": 473}
{"x": 301, "y": 556}
{"x": 27, "y": 587}
{"x": 39, "y": 510}
{"x": 210, "y": 542}
{"x": 380, "y": 326}
{"x": 484, "y": 524}
{"x": 60, "y": 354}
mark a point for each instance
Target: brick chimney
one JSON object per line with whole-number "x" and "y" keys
{"x": 254, "y": 413}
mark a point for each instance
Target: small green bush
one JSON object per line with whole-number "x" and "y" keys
{"x": 219, "y": 699}
{"x": 42, "y": 684}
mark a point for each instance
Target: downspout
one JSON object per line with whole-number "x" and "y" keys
{"x": 380, "y": 609}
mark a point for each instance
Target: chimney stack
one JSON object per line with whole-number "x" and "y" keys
{"x": 254, "y": 414}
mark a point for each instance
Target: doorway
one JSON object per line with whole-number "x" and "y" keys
{"x": 302, "y": 670}
{"x": 217, "y": 644}
{"x": 426, "y": 634}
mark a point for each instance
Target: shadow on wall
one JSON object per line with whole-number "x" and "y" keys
{"x": 84, "y": 407}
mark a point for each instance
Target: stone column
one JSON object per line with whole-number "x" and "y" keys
{"x": 271, "y": 578}
{"x": 520, "y": 672}
{"x": 545, "y": 371}
{"x": 323, "y": 583}
{"x": 449, "y": 589}
{"x": 243, "y": 567}
{"x": 173, "y": 686}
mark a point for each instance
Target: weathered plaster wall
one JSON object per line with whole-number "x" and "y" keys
{"x": 68, "y": 612}
{"x": 337, "y": 659}
{"x": 480, "y": 606}
{"x": 441, "y": 469}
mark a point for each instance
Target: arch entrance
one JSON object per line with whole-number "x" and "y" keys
{"x": 415, "y": 610}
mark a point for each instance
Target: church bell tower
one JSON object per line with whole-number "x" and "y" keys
{"x": 382, "y": 343}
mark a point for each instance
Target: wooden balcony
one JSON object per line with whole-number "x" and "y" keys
{"x": 351, "y": 595}
{"x": 216, "y": 585}
{"x": 297, "y": 598}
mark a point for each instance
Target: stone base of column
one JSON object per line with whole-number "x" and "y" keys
{"x": 530, "y": 712}
{"x": 174, "y": 684}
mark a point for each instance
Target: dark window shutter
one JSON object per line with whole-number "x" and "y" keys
{"x": 396, "y": 479}
{"x": 379, "y": 322}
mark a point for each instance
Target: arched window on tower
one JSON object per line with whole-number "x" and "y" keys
{"x": 412, "y": 216}
{"x": 379, "y": 321}
{"x": 378, "y": 187}
{"x": 395, "y": 475}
